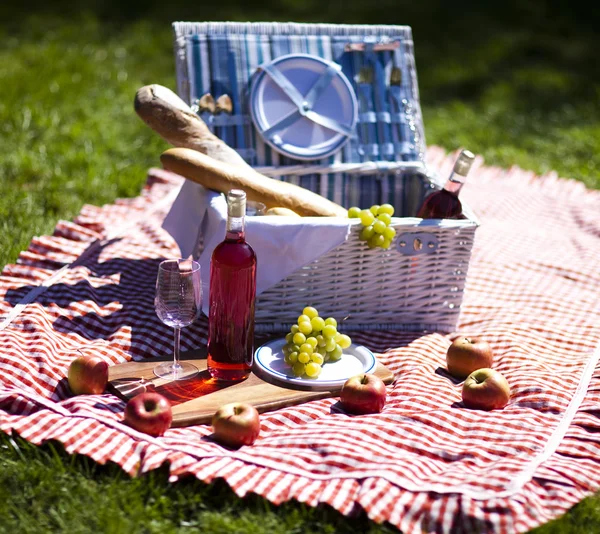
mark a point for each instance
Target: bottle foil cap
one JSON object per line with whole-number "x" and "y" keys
{"x": 464, "y": 162}
{"x": 236, "y": 203}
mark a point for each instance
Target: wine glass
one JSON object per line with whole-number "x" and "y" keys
{"x": 178, "y": 303}
{"x": 254, "y": 208}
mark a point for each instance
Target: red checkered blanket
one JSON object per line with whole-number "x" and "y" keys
{"x": 426, "y": 463}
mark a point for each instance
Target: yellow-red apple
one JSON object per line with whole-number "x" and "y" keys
{"x": 88, "y": 375}
{"x": 362, "y": 394}
{"x": 149, "y": 412}
{"x": 467, "y": 354}
{"x": 236, "y": 424}
{"x": 486, "y": 389}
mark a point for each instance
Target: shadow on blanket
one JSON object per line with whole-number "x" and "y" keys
{"x": 114, "y": 301}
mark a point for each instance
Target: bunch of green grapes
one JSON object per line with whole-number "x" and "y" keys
{"x": 377, "y": 231}
{"x": 312, "y": 342}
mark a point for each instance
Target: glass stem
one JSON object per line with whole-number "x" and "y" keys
{"x": 177, "y": 332}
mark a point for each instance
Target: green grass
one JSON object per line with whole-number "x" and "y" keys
{"x": 44, "y": 490}
{"x": 69, "y": 134}
{"x": 517, "y": 93}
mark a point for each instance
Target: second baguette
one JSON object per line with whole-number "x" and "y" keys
{"x": 222, "y": 177}
{"x": 281, "y": 212}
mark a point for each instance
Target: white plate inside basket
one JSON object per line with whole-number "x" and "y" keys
{"x": 303, "y": 106}
{"x": 356, "y": 359}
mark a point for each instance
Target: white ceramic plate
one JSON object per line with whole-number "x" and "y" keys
{"x": 280, "y": 122}
{"x": 356, "y": 359}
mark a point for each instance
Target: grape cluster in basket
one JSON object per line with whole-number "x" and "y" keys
{"x": 312, "y": 342}
{"x": 377, "y": 231}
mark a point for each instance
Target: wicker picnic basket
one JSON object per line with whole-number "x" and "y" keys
{"x": 418, "y": 283}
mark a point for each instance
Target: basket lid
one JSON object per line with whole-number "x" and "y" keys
{"x": 225, "y": 58}
{"x": 303, "y": 106}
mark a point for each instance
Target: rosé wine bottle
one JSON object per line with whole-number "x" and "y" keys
{"x": 444, "y": 203}
{"x": 232, "y": 296}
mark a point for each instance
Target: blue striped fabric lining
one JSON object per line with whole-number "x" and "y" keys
{"x": 224, "y": 63}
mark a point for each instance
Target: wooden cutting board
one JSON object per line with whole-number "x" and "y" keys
{"x": 195, "y": 400}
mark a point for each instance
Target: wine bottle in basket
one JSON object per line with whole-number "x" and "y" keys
{"x": 445, "y": 204}
{"x": 232, "y": 296}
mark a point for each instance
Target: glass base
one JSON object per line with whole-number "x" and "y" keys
{"x": 169, "y": 371}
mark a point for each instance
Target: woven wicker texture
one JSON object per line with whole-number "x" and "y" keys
{"x": 375, "y": 288}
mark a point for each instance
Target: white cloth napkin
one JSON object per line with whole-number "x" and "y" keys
{"x": 282, "y": 244}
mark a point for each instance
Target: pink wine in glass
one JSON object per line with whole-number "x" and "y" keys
{"x": 445, "y": 204}
{"x": 232, "y": 295}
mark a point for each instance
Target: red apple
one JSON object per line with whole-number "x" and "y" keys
{"x": 88, "y": 375}
{"x": 467, "y": 354}
{"x": 486, "y": 389}
{"x": 236, "y": 424}
{"x": 362, "y": 394}
{"x": 149, "y": 413}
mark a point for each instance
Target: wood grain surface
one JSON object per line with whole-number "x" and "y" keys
{"x": 196, "y": 399}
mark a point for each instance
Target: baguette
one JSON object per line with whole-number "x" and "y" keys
{"x": 170, "y": 117}
{"x": 282, "y": 212}
{"x": 220, "y": 176}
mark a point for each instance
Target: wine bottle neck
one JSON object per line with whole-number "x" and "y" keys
{"x": 235, "y": 228}
{"x": 236, "y": 213}
{"x": 454, "y": 183}
{"x": 458, "y": 176}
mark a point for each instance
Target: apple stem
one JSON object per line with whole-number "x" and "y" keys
{"x": 364, "y": 379}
